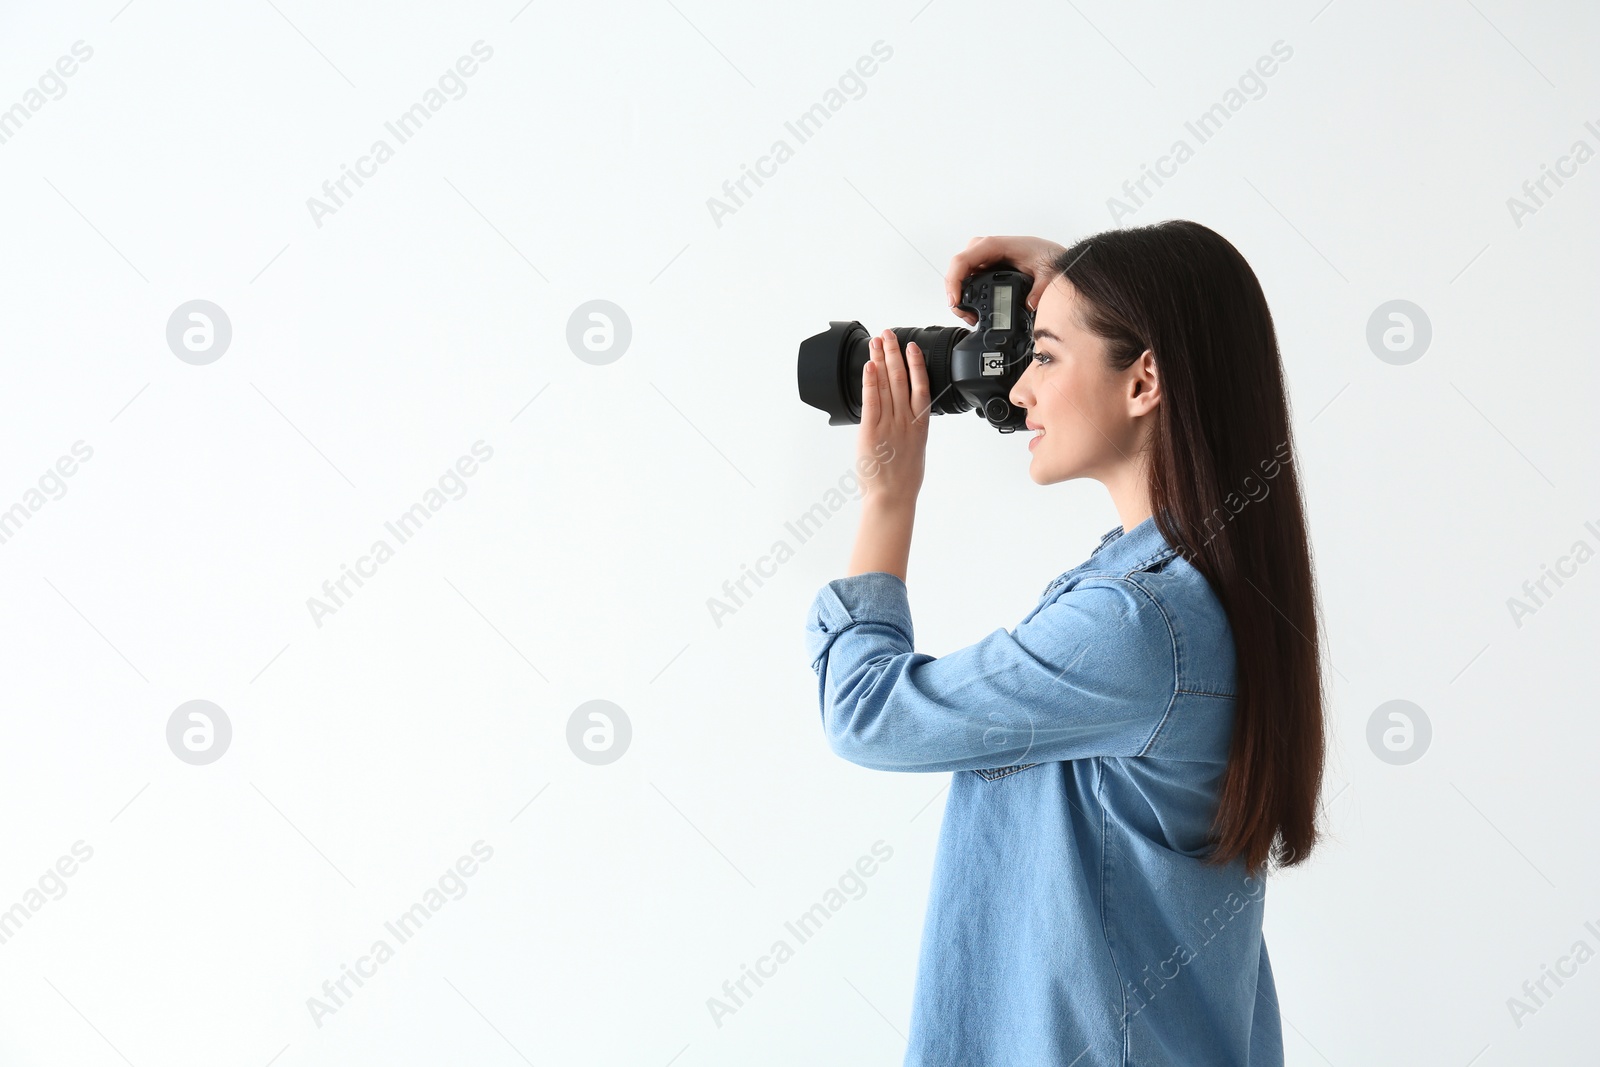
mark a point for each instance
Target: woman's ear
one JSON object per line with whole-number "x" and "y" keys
{"x": 1146, "y": 384}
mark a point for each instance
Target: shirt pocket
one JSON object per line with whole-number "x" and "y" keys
{"x": 1000, "y": 772}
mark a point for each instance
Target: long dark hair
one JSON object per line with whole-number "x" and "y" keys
{"x": 1225, "y": 491}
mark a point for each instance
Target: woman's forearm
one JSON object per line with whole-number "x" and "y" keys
{"x": 883, "y": 540}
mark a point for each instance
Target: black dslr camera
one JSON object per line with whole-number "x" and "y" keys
{"x": 968, "y": 370}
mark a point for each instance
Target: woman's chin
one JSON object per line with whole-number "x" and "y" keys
{"x": 1043, "y": 473}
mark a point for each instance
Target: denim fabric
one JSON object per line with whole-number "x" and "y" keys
{"x": 1070, "y": 920}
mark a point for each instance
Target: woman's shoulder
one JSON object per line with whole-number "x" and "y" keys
{"x": 1177, "y": 594}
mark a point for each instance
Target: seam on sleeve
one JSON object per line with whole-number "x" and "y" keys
{"x": 875, "y": 620}
{"x": 850, "y": 625}
{"x": 1172, "y": 642}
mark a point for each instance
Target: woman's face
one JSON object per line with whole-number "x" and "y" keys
{"x": 1085, "y": 411}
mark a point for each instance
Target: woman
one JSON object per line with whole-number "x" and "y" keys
{"x": 1150, "y": 735}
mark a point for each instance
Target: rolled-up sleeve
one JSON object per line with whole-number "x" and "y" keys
{"x": 1091, "y": 673}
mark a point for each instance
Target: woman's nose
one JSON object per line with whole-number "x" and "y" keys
{"x": 1019, "y": 397}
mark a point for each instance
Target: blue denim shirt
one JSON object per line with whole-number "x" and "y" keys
{"x": 1070, "y": 920}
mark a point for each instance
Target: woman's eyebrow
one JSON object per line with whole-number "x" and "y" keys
{"x": 1045, "y": 335}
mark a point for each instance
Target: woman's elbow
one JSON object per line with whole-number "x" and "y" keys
{"x": 855, "y": 716}
{"x": 856, "y": 737}
{"x": 844, "y": 739}
{"x": 851, "y": 750}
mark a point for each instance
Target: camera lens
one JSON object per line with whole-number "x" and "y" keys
{"x": 831, "y": 362}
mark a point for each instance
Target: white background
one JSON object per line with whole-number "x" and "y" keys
{"x": 431, "y": 710}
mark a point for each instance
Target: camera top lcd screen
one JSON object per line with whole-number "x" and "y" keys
{"x": 1002, "y": 307}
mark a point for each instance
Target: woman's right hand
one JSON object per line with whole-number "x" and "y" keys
{"x": 1030, "y": 255}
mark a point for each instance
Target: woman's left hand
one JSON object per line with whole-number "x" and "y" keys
{"x": 895, "y": 409}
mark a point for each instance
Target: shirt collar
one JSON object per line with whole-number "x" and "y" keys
{"x": 1132, "y": 549}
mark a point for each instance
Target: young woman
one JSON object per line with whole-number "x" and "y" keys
{"x": 1132, "y": 756}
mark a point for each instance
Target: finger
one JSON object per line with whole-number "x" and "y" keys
{"x": 869, "y": 396}
{"x": 962, "y": 264}
{"x": 880, "y": 380}
{"x": 977, "y": 254}
{"x": 961, "y": 313}
{"x": 885, "y": 387}
{"x": 899, "y": 381}
{"x": 918, "y": 369}
{"x": 1040, "y": 283}
{"x": 954, "y": 275}
{"x": 961, "y": 268}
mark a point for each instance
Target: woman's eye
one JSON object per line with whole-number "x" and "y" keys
{"x": 1040, "y": 357}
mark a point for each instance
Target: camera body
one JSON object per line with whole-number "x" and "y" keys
{"x": 968, "y": 370}
{"x": 987, "y": 362}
